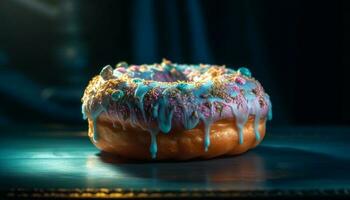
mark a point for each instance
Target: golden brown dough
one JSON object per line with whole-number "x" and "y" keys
{"x": 176, "y": 145}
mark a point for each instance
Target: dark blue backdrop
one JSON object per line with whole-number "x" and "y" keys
{"x": 297, "y": 49}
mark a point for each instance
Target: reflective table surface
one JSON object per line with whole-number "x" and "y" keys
{"x": 289, "y": 158}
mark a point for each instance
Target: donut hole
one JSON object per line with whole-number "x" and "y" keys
{"x": 171, "y": 76}
{"x": 173, "y": 72}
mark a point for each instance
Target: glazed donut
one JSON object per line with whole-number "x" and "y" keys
{"x": 175, "y": 111}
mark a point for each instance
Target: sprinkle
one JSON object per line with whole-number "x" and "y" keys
{"x": 116, "y": 95}
{"x": 187, "y": 71}
{"x": 245, "y": 71}
{"x": 240, "y": 80}
{"x": 121, "y": 69}
{"x": 134, "y": 68}
{"x": 106, "y": 72}
{"x": 236, "y": 88}
{"x": 122, "y": 65}
{"x": 165, "y": 61}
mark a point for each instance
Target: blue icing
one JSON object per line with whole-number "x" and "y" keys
{"x": 207, "y": 136}
{"x": 207, "y": 123}
{"x": 245, "y": 71}
{"x": 83, "y": 112}
{"x": 140, "y": 92}
{"x": 117, "y": 95}
{"x": 203, "y": 89}
{"x": 241, "y": 119}
{"x": 180, "y": 68}
{"x": 137, "y": 80}
{"x": 185, "y": 86}
{"x": 165, "y": 115}
{"x": 147, "y": 75}
{"x": 269, "y": 114}
{"x": 254, "y": 105}
{"x": 249, "y": 85}
{"x": 249, "y": 96}
{"x": 190, "y": 120}
{"x": 153, "y": 147}
{"x": 155, "y": 110}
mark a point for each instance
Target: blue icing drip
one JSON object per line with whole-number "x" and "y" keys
{"x": 190, "y": 120}
{"x": 269, "y": 114}
{"x": 140, "y": 92}
{"x": 240, "y": 132}
{"x": 204, "y": 90}
{"x": 253, "y": 103}
{"x": 245, "y": 71}
{"x": 241, "y": 119}
{"x": 83, "y": 112}
{"x": 165, "y": 115}
{"x": 207, "y": 135}
{"x": 207, "y": 123}
{"x": 155, "y": 110}
{"x": 153, "y": 147}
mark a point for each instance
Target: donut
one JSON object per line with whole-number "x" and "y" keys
{"x": 170, "y": 111}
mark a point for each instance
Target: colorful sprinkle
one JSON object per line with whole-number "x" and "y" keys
{"x": 240, "y": 80}
{"x": 117, "y": 95}
{"x": 245, "y": 71}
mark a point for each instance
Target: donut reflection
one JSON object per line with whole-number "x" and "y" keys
{"x": 263, "y": 167}
{"x": 249, "y": 167}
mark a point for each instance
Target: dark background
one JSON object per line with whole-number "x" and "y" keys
{"x": 298, "y": 50}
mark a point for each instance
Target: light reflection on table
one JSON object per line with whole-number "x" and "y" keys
{"x": 281, "y": 162}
